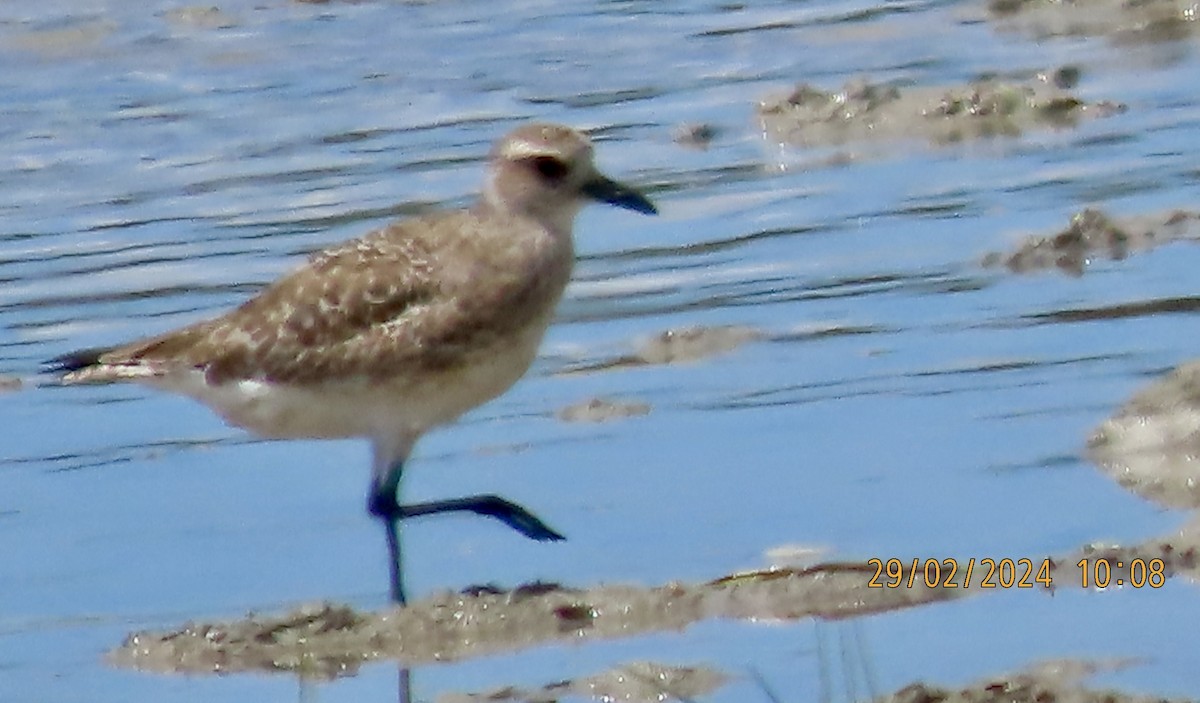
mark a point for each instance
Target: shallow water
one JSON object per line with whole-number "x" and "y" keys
{"x": 898, "y": 398}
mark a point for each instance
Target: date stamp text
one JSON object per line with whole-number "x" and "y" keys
{"x": 1012, "y": 573}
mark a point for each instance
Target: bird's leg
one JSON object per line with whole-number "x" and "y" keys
{"x": 384, "y": 505}
{"x": 505, "y": 511}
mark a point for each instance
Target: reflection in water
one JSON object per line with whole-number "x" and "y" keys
{"x": 403, "y": 684}
{"x": 848, "y": 654}
{"x": 635, "y": 682}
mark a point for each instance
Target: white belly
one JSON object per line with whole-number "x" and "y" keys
{"x": 360, "y": 407}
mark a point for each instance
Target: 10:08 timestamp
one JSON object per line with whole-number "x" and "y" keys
{"x": 1098, "y": 573}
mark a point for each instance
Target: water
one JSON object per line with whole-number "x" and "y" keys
{"x": 157, "y": 169}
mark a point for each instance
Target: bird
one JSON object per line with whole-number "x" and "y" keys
{"x": 390, "y": 335}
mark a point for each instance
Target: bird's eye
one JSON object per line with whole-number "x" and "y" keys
{"x": 551, "y": 168}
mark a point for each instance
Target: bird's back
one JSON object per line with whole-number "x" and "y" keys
{"x": 453, "y": 303}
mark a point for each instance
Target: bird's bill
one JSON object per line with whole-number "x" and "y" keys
{"x": 609, "y": 191}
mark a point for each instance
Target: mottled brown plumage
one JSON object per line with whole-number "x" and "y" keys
{"x": 414, "y": 297}
{"x": 391, "y": 334}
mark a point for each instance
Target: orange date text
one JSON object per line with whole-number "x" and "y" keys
{"x": 961, "y": 573}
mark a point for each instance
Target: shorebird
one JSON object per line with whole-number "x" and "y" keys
{"x": 402, "y": 330}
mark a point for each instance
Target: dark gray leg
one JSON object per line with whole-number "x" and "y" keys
{"x": 503, "y": 510}
{"x": 384, "y": 504}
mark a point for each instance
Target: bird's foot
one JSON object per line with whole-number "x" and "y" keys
{"x": 494, "y": 506}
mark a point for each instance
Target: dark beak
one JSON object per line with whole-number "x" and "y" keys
{"x": 609, "y": 191}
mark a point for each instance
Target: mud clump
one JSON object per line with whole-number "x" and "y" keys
{"x": 1092, "y": 234}
{"x": 1144, "y": 21}
{"x": 199, "y": 17}
{"x": 695, "y": 135}
{"x": 1045, "y": 682}
{"x": 602, "y": 410}
{"x": 1151, "y": 445}
{"x": 693, "y": 344}
{"x": 863, "y": 111}
{"x": 678, "y": 346}
{"x": 328, "y": 640}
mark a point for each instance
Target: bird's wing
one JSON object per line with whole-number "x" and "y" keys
{"x": 407, "y": 295}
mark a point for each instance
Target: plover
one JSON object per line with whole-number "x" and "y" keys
{"x": 390, "y": 335}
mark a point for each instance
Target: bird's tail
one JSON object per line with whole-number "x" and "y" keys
{"x": 74, "y": 361}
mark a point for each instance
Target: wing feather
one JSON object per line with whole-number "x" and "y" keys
{"x": 418, "y": 293}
